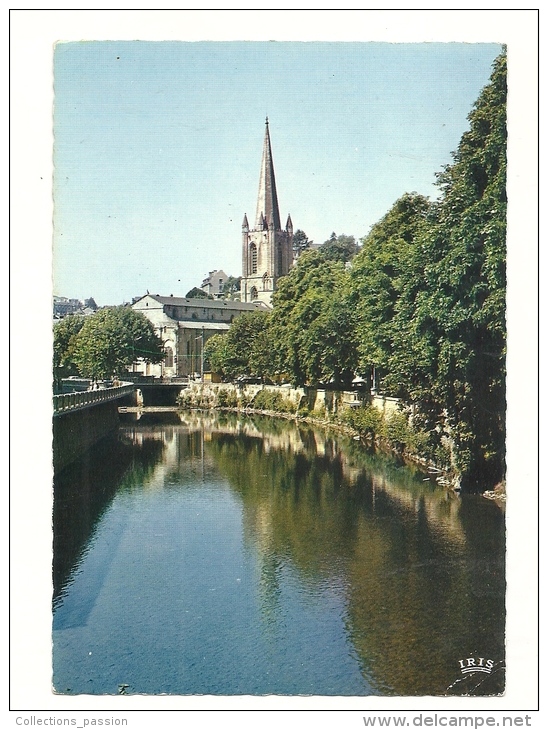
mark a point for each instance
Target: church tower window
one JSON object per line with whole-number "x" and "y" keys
{"x": 253, "y": 252}
{"x": 254, "y": 294}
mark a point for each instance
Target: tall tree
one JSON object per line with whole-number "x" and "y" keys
{"x": 379, "y": 274}
{"x": 429, "y": 292}
{"x": 301, "y": 243}
{"x": 111, "y": 340}
{"x": 312, "y": 324}
{"x": 466, "y": 287}
{"x": 244, "y": 349}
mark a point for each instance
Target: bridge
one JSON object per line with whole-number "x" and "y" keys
{"x": 82, "y": 418}
{"x": 77, "y": 400}
{"x": 159, "y": 393}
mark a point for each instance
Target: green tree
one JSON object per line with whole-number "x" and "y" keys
{"x": 111, "y": 340}
{"x": 429, "y": 292}
{"x": 63, "y": 334}
{"x": 386, "y": 264}
{"x": 231, "y": 287}
{"x": 216, "y": 353}
{"x": 312, "y": 328}
{"x": 301, "y": 242}
{"x": 466, "y": 285}
{"x": 244, "y": 349}
{"x": 339, "y": 248}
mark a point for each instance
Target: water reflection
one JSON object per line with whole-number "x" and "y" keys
{"x": 84, "y": 490}
{"x": 423, "y": 572}
{"x": 335, "y": 549}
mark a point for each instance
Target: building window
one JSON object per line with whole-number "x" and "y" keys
{"x": 280, "y": 259}
{"x": 265, "y": 281}
{"x": 254, "y": 294}
{"x": 253, "y": 253}
{"x": 169, "y": 357}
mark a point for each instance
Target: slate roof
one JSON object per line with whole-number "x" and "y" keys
{"x": 206, "y": 303}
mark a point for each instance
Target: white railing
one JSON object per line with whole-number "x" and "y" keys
{"x": 73, "y": 401}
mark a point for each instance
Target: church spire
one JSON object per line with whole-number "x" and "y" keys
{"x": 267, "y": 201}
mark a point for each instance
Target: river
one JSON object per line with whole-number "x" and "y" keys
{"x": 216, "y": 554}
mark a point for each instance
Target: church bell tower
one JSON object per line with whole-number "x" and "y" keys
{"x": 267, "y": 249}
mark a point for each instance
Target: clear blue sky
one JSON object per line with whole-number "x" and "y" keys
{"x": 158, "y": 147}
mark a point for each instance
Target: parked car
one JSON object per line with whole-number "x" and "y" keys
{"x": 248, "y": 380}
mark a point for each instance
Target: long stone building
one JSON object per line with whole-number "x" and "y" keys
{"x": 184, "y": 326}
{"x": 267, "y": 249}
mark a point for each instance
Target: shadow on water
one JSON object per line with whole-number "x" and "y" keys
{"x": 84, "y": 490}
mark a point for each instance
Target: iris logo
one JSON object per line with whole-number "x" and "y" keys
{"x": 471, "y": 665}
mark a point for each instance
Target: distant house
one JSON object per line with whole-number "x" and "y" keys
{"x": 213, "y": 284}
{"x": 63, "y": 306}
{"x": 184, "y": 325}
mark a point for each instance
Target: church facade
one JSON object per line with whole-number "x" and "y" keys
{"x": 267, "y": 248}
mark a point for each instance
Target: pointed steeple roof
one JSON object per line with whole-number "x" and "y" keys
{"x": 267, "y": 201}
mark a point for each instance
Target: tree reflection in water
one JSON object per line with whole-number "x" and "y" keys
{"x": 422, "y": 571}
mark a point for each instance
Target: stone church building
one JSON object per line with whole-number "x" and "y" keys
{"x": 267, "y": 249}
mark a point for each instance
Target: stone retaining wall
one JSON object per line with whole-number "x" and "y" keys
{"x": 329, "y": 401}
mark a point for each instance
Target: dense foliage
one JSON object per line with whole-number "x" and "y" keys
{"x": 312, "y": 324}
{"x": 339, "y": 248}
{"x": 466, "y": 283}
{"x": 106, "y": 343}
{"x": 429, "y": 291}
{"x": 63, "y": 332}
{"x": 244, "y": 349}
{"x": 231, "y": 287}
{"x": 384, "y": 275}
